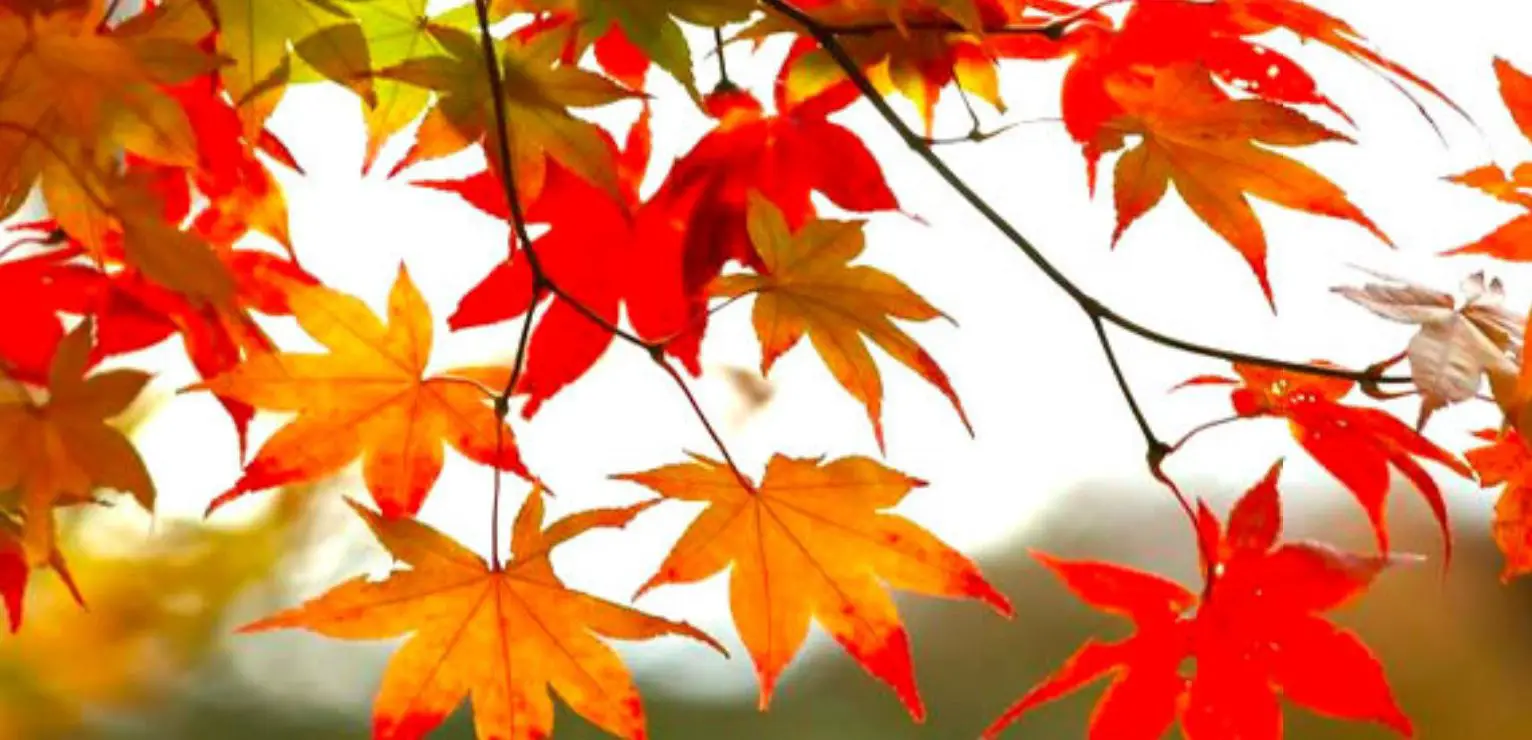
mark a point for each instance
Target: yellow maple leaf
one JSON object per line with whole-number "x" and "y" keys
{"x": 810, "y": 287}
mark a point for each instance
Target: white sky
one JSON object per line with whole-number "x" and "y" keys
{"x": 1025, "y": 361}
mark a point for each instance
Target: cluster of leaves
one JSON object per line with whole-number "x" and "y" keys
{"x": 145, "y": 139}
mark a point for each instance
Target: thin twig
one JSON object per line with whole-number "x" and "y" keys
{"x": 976, "y": 132}
{"x": 1155, "y": 449}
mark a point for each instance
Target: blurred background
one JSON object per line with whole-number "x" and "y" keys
{"x": 1056, "y": 463}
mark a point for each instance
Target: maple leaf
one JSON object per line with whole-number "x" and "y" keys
{"x": 588, "y": 253}
{"x": 1256, "y": 634}
{"x": 1355, "y": 444}
{"x": 1205, "y": 143}
{"x": 917, "y": 62}
{"x": 919, "y": 49}
{"x": 16, "y": 571}
{"x": 649, "y": 26}
{"x": 809, "y": 286}
{"x": 61, "y": 450}
{"x": 812, "y": 542}
{"x": 261, "y": 38}
{"x": 1506, "y": 461}
{"x": 537, "y": 92}
{"x": 366, "y": 397}
{"x": 1457, "y": 344}
{"x": 1510, "y": 240}
{"x": 242, "y": 193}
{"x": 614, "y": 53}
{"x": 396, "y": 32}
{"x": 500, "y": 635}
{"x": 32, "y": 331}
{"x": 132, "y": 312}
{"x": 1218, "y": 37}
{"x": 696, "y": 222}
{"x": 75, "y": 95}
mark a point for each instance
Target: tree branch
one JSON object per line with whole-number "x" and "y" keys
{"x": 1088, "y": 303}
{"x": 1099, "y": 313}
{"x": 542, "y": 281}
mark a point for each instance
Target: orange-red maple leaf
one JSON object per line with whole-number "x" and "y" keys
{"x": 58, "y": 451}
{"x": 813, "y": 542}
{"x": 1513, "y": 239}
{"x": 696, "y": 223}
{"x": 367, "y": 396}
{"x": 1164, "y": 74}
{"x": 1213, "y": 149}
{"x": 1506, "y": 461}
{"x": 502, "y": 636}
{"x": 810, "y": 287}
{"x": 1357, "y": 445}
{"x": 1219, "y": 37}
{"x": 1255, "y": 635}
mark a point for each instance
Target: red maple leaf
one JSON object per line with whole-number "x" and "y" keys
{"x": 1254, "y": 635}
{"x": 1356, "y": 444}
{"x": 695, "y": 224}
{"x": 588, "y": 253}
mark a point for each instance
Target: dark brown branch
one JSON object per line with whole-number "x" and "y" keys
{"x": 542, "y": 281}
{"x": 1088, "y": 303}
{"x": 1099, "y": 313}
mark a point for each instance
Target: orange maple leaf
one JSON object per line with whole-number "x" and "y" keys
{"x": 1512, "y": 240}
{"x": 809, "y": 286}
{"x": 16, "y": 571}
{"x": 368, "y": 397}
{"x": 813, "y": 542}
{"x": 502, "y": 635}
{"x": 1207, "y": 144}
{"x": 1507, "y": 462}
{"x": 76, "y": 92}
{"x": 1255, "y": 634}
{"x": 61, "y": 450}
{"x": 1356, "y": 444}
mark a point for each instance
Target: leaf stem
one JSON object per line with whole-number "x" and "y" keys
{"x": 724, "y": 83}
